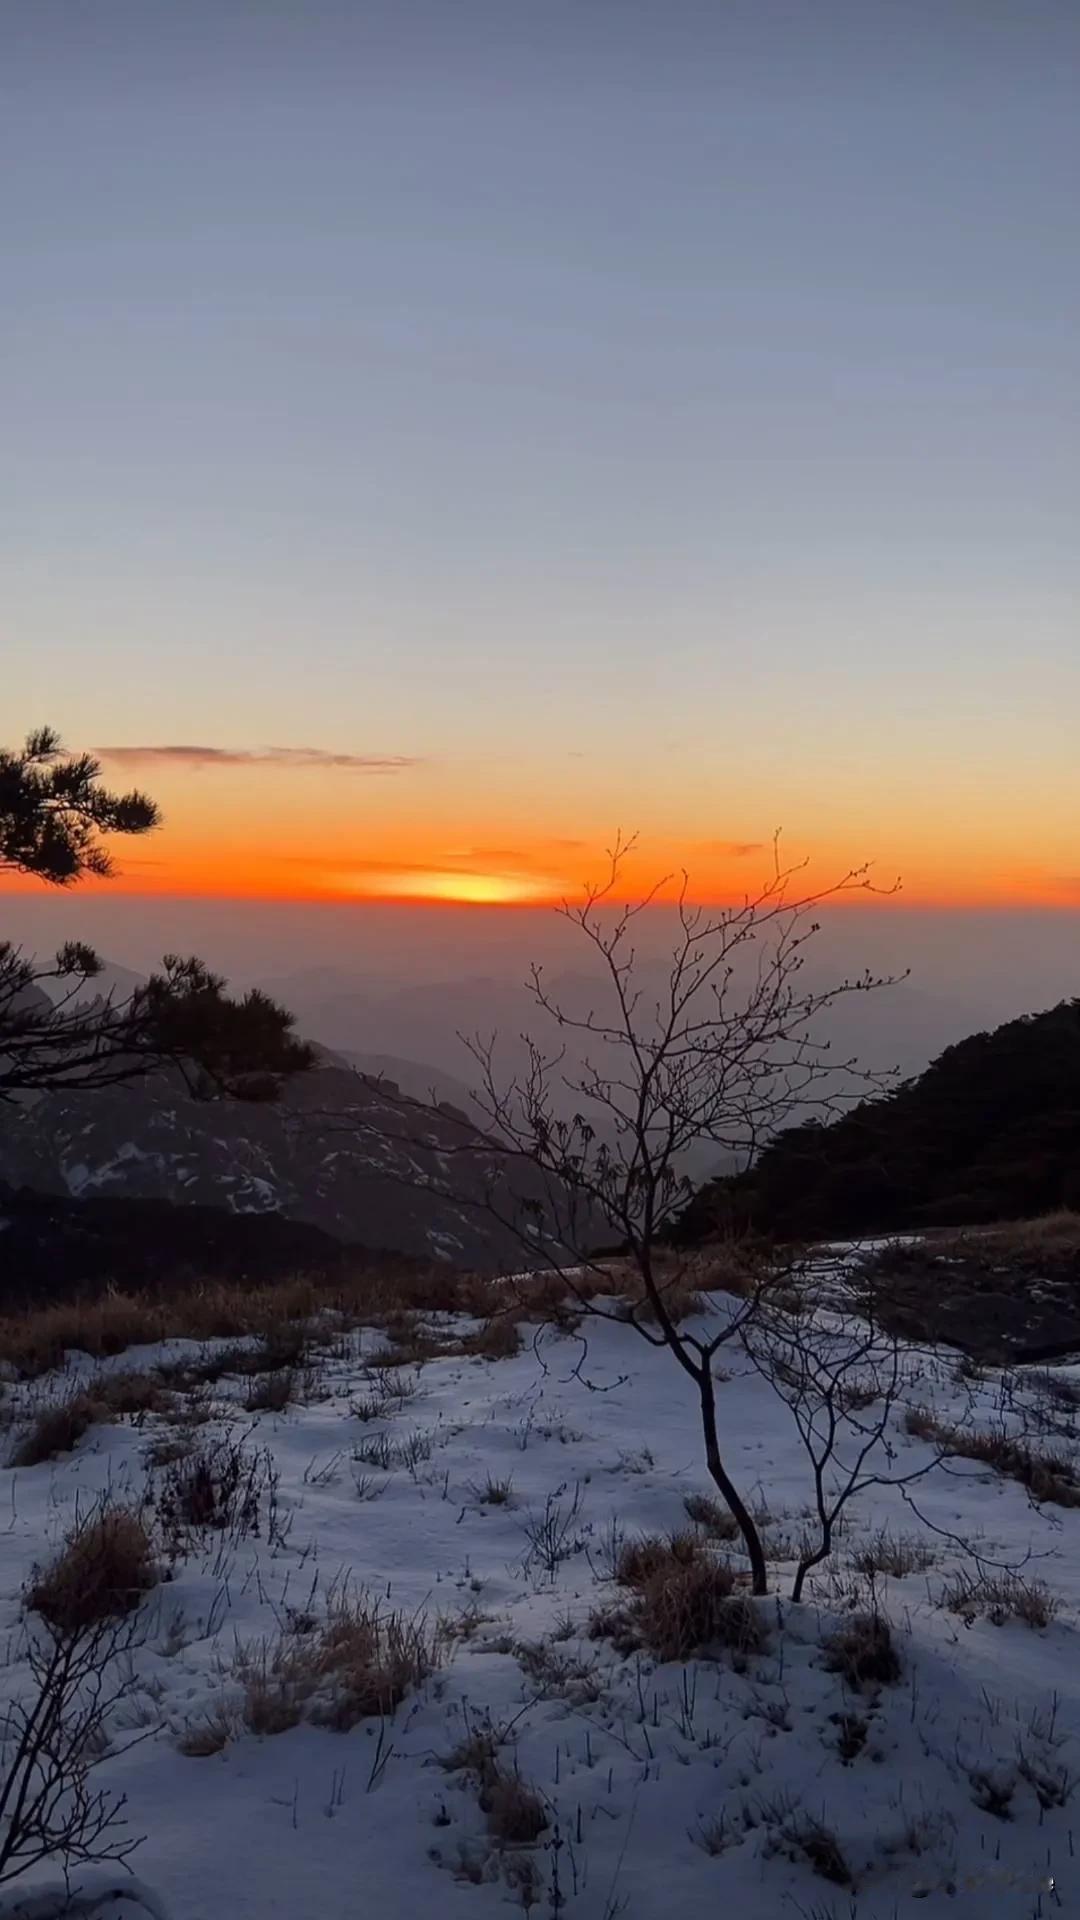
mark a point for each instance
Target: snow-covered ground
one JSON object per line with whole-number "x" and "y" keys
{"x": 641, "y": 1767}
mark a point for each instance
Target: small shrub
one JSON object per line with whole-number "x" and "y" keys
{"x": 553, "y": 1535}
{"x": 679, "y": 1296}
{"x": 863, "y": 1651}
{"x": 105, "y": 1568}
{"x": 516, "y": 1815}
{"x": 219, "y": 1487}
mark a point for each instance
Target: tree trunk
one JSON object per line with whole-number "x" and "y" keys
{"x": 751, "y": 1537}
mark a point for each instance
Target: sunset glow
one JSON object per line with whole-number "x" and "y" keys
{"x": 471, "y": 889}
{"x": 494, "y": 463}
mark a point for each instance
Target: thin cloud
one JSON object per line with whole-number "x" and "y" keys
{"x": 733, "y": 849}
{"x": 513, "y": 856}
{"x": 289, "y": 759}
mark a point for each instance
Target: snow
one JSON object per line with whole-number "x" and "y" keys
{"x": 636, "y": 1762}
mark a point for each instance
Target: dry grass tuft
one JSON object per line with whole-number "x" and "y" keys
{"x": 652, "y": 1554}
{"x": 212, "y": 1734}
{"x": 711, "y": 1516}
{"x": 684, "y": 1601}
{"x": 692, "y": 1608}
{"x": 895, "y": 1554}
{"x": 55, "y": 1430}
{"x": 106, "y": 1566}
{"x": 58, "y": 1427}
{"x": 516, "y": 1815}
{"x": 557, "y": 1675}
{"x": 821, "y": 1848}
{"x": 498, "y": 1339}
{"x": 495, "y": 1493}
{"x": 862, "y": 1650}
{"x": 356, "y": 1664}
{"x": 998, "y": 1598}
{"x": 271, "y": 1392}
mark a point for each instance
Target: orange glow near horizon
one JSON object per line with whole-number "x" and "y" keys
{"x": 447, "y": 834}
{"x": 190, "y": 867}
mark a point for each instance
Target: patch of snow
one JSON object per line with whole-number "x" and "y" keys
{"x": 637, "y": 1762}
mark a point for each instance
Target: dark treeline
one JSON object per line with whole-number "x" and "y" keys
{"x": 990, "y": 1131}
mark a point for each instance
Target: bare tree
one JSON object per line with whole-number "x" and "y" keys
{"x": 726, "y": 1051}
{"x": 842, "y": 1376}
{"x": 50, "y": 1743}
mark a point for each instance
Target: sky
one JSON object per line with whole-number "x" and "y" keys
{"x": 437, "y": 435}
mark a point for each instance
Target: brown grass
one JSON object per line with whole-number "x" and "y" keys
{"x": 680, "y": 1613}
{"x": 1057, "y": 1232}
{"x": 684, "y": 1602}
{"x": 862, "y": 1650}
{"x": 104, "y": 1569}
{"x": 37, "y": 1341}
{"x": 1046, "y": 1474}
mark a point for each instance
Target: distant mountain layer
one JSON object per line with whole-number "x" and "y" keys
{"x": 990, "y": 1131}
{"x": 52, "y": 1247}
{"x": 339, "y": 1151}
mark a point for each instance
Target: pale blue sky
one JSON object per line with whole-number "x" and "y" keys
{"x": 421, "y": 362}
